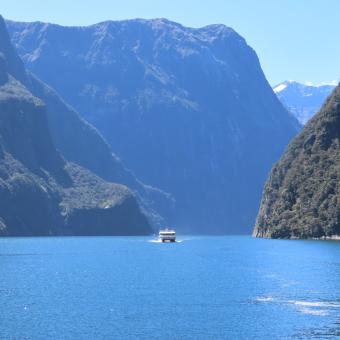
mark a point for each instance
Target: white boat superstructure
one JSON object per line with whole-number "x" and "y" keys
{"x": 167, "y": 235}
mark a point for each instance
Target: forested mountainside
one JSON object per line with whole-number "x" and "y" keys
{"x": 188, "y": 110}
{"x": 302, "y": 196}
{"x": 40, "y": 192}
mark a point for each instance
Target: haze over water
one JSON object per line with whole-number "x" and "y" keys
{"x": 201, "y": 288}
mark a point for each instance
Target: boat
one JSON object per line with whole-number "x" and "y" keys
{"x": 167, "y": 235}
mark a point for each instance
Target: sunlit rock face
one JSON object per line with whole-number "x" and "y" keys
{"x": 188, "y": 110}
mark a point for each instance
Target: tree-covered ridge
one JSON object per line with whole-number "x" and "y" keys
{"x": 302, "y": 195}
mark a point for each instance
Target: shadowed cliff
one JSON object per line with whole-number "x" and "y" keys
{"x": 40, "y": 192}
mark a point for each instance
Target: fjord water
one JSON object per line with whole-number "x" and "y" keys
{"x": 200, "y": 288}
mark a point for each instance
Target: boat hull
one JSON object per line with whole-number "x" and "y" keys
{"x": 168, "y": 240}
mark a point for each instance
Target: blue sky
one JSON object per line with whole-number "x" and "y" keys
{"x": 294, "y": 39}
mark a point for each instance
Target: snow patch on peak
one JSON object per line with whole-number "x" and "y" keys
{"x": 280, "y": 87}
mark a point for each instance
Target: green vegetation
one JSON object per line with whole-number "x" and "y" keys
{"x": 302, "y": 196}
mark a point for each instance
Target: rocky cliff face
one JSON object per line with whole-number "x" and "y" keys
{"x": 82, "y": 144}
{"x": 303, "y": 101}
{"x": 302, "y": 195}
{"x": 188, "y": 110}
{"x": 41, "y": 193}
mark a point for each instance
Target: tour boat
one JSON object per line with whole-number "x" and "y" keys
{"x": 167, "y": 235}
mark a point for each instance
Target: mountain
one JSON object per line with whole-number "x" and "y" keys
{"x": 302, "y": 196}
{"x": 40, "y": 192}
{"x": 188, "y": 110}
{"x": 303, "y": 101}
{"x": 82, "y": 144}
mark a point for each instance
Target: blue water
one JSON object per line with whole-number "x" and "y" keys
{"x": 200, "y": 288}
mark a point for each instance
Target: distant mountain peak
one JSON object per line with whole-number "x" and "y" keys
{"x": 302, "y": 100}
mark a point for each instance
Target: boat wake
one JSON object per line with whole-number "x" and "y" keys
{"x": 315, "y": 304}
{"x": 264, "y": 299}
{"x": 319, "y": 308}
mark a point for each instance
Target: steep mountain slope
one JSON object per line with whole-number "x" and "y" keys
{"x": 189, "y": 110}
{"x": 303, "y": 101}
{"x": 302, "y": 196}
{"x": 40, "y": 193}
{"x": 82, "y": 144}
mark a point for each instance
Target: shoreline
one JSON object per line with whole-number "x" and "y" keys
{"x": 322, "y": 238}
{"x": 328, "y": 238}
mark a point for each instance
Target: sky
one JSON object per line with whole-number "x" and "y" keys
{"x": 294, "y": 39}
